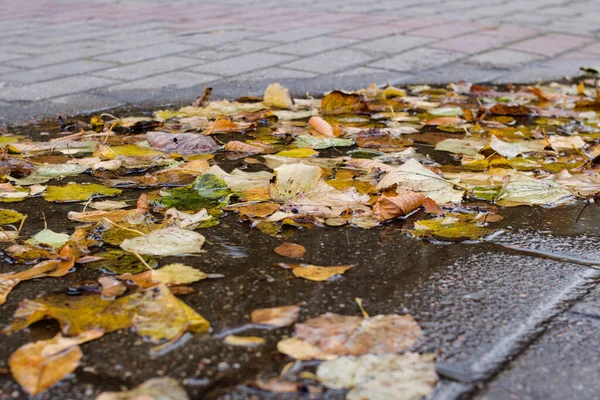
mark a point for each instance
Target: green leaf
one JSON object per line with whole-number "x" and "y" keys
{"x": 445, "y": 111}
{"x": 121, "y": 262}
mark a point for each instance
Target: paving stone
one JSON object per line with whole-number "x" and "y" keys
{"x": 369, "y": 32}
{"x": 417, "y": 59}
{"x": 394, "y": 44}
{"x": 312, "y": 46}
{"x": 446, "y": 31}
{"x": 503, "y": 58}
{"x": 173, "y": 80}
{"x": 470, "y": 44}
{"x": 242, "y": 64}
{"x": 245, "y": 46}
{"x": 215, "y": 38}
{"x": 551, "y": 45}
{"x": 332, "y": 61}
{"x": 53, "y": 88}
{"x": 294, "y": 35}
{"x": 55, "y": 71}
{"x": 209, "y": 54}
{"x": 5, "y": 70}
{"x": 148, "y": 68}
{"x": 275, "y": 74}
{"x": 4, "y": 57}
{"x": 144, "y": 53}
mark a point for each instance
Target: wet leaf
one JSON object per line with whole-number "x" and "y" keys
{"x": 320, "y": 143}
{"x": 445, "y": 112}
{"x": 413, "y": 177}
{"x": 512, "y": 150}
{"x": 505, "y": 109}
{"x": 39, "y": 365}
{"x": 526, "y": 190}
{"x": 155, "y": 313}
{"x": 165, "y": 242}
{"x": 450, "y": 229}
{"x": 315, "y": 272}
{"x": 338, "y": 102}
{"x": 244, "y": 341}
{"x": 10, "y": 216}
{"x": 253, "y": 209}
{"x": 389, "y": 207}
{"x": 298, "y": 153}
{"x": 181, "y": 143}
{"x": 172, "y": 274}
{"x": 321, "y": 127}
{"x": 153, "y": 389}
{"x": 294, "y": 179}
{"x": 408, "y": 376}
{"x": 277, "y": 317}
{"x": 121, "y": 262}
{"x": 290, "y": 250}
{"x": 77, "y": 192}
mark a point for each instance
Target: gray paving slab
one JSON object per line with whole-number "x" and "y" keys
{"x": 131, "y": 72}
{"x": 242, "y": 64}
{"x": 394, "y": 44}
{"x": 417, "y": 60}
{"x": 54, "y": 71}
{"x": 144, "y": 53}
{"x": 331, "y": 61}
{"x": 53, "y": 88}
{"x": 312, "y": 46}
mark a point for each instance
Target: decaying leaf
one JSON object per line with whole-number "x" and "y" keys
{"x": 294, "y": 179}
{"x": 77, "y": 192}
{"x": 153, "y": 389}
{"x": 172, "y": 274}
{"x": 315, "y": 272}
{"x": 155, "y": 313}
{"x": 49, "y": 238}
{"x": 276, "y": 316}
{"x": 321, "y": 126}
{"x": 39, "y": 365}
{"x": 290, "y": 250}
{"x": 408, "y": 376}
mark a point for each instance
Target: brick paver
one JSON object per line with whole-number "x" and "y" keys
{"x": 59, "y": 51}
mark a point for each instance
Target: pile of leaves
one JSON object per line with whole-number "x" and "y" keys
{"x": 450, "y": 158}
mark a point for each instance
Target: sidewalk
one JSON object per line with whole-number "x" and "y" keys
{"x": 77, "y": 56}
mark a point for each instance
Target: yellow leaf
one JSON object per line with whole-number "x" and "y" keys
{"x": 298, "y": 153}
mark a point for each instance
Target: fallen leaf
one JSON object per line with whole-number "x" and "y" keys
{"x": 241, "y": 147}
{"x": 525, "y": 190}
{"x": 505, "y": 109}
{"x": 10, "y": 216}
{"x": 278, "y": 96}
{"x": 182, "y": 143}
{"x": 302, "y": 350}
{"x": 172, "y": 274}
{"x": 408, "y": 376}
{"x": 254, "y": 209}
{"x": 276, "y": 316}
{"x": 321, "y": 126}
{"x": 294, "y": 179}
{"x": 338, "y": 102}
{"x": 154, "y": 389}
{"x": 315, "y": 272}
{"x": 77, "y": 192}
{"x": 389, "y": 207}
{"x": 319, "y": 143}
{"x": 155, "y": 313}
{"x": 165, "y": 242}
{"x": 413, "y": 177}
{"x": 244, "y": 341}
{"x": 39, "y": 365}
{"x": 49, "y": 238}
{"x": 298, "y": 153}
{"x": 290, "y": 250}
{"x": 347, "y": 335}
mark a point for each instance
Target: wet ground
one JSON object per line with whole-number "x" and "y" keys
{"x": 487, "y": 310}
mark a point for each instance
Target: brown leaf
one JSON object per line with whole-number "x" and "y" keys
{"x": 290, "y": 250}
{"x": 338, "y": 102}
{"x": 315, "y": 272}
{"x": 182, "y": 143}
{"x": 441, "y": 121}
{"x": 431, "y": 207}
{"x": 241, "y": 147}
{"x": 303, "y": 350}
{"x": 254, "y": 210}
{"x": 227, "y": 126}
{"x": 39, "y": 365}
{"x": 505, "y": 109}
{"x": 348, "y": 335}
{"x": 111, "y": 286}
{"x": 389, "y": 207}
{"x": 276, "y": 316}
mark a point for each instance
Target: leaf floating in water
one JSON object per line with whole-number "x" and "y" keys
{"x": 276, "y": 316}
{"x": 290, "y": 250}
{"x": 165, "y": 242}
{"x": 153, "y": 389}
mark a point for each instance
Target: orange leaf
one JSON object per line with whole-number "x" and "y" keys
{"x": 290, "y": 250}
{"x": 441, "y": 121}
{"x": 320, "y": 126}
{"x": 389, "y": 207}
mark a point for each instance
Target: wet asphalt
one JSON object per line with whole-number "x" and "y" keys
{"x": 505, "y": 324}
